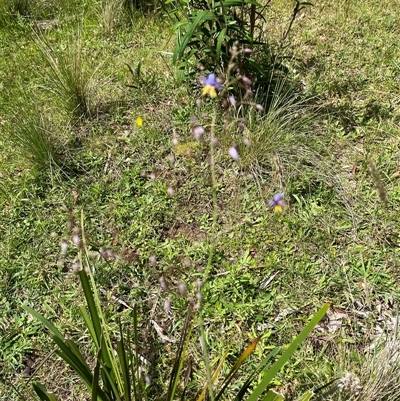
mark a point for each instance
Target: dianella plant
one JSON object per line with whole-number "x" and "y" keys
{"x": 117, "y": 372}
{"x": 208, "y": 30}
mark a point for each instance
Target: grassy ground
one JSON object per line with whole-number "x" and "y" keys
{"x": 335, "y": 157}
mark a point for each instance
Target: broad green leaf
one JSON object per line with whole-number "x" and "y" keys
{"x": 266, "y": 380}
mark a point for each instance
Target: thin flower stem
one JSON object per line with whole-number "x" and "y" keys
{"x": 214, "y": 187}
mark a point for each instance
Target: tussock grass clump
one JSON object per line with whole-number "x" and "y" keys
{"x": 68, "y": 78}
{"x": 110, "y": 14}
{"x": 34, "y": 140}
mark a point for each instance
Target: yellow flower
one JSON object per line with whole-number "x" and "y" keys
{"x": 278, "y": 209}
{"x": 139, "y": 121}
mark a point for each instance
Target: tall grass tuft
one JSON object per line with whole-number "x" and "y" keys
{"x": 34, "y": 140}
{"x": 111, "y": 15}
{"x": 67, "y": 77}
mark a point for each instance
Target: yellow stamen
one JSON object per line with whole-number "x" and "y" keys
{"x": 209, "y": 89}
{"x": 278, "y": 209}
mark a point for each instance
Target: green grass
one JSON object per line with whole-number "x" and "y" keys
{"x": 335, "y": 242}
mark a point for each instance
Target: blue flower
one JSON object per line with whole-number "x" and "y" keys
{"x": 277, "y": 202}
{"x": 212, "y": 84}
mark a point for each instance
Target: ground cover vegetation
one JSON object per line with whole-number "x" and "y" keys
{"x": 185, "y": 186}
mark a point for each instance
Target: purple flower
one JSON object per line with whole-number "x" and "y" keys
{"x": 277, "y": 202}
{"x": 212, "y": 84}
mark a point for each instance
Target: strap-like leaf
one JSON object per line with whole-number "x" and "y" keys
{"x": 186, "y": 331}
{"x": 266, "y": 380}
{"x": 91, "y": 305}
{"x": 259, "y": 368}
{"x": 215, "y": 375}
{"x": 46, "y": 322}
{"x": 201, "y": 17}
{"x": 42, "y": 393}
{"x": 245, "y": 354}
{"x": 123, "y": 360}
{"x": 96, "y": 375}
{"x": 220, "y": 40}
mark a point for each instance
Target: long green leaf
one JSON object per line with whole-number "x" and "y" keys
{"x": 235, "y": 3}
{"x": 89, "y": 325}
{"x": 242, "y": 358}
{"x": 81, "y": 368}
{"x": 220, "y": 40}
{"x": 123, "y": 360}
{"x": 201, "y": 17}
{"x": 183, "y": 343}
{"x": 259, "y": 368}
{"x": 91, "y": 305}
{"x": 215, "y": 375}
{"x": 96, "y": 375}
{"x": 42, "y": 393}
{"x": 266, "y": 380}
{"x": 46, "y": 322}
{"x": 112, "y": 383}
